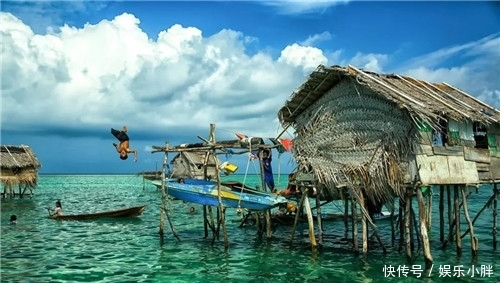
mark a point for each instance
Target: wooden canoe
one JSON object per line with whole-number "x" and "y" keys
{"x": 120, "y": 213}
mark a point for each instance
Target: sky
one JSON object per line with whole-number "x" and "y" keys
{"x": 72, "y": 70}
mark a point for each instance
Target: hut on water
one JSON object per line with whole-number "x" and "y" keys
{"x": 19, "y": 167}
{"x": 192, "y": 165}
{"x": 385, "y": 135}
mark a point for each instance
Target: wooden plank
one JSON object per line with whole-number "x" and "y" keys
{"x": 495, "y": 168}
{"x": 477, "y": 154}
{"x": 484, "y": 176}
{"x": 423, "y": 149}
{"x": 440, "y": 169}
{"x": 483, "y": 167}
{"x": 450, "y": 151}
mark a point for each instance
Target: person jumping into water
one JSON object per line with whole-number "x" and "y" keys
{"x": 123, "y": 148}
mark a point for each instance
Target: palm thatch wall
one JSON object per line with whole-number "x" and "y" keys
{"x": 190, "y": 165}
{"x": 19, "y": 166}
{"x": 355, "y": 127}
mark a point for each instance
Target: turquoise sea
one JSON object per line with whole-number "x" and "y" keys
{"x": 39, "y": 249}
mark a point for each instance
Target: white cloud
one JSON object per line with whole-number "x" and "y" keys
{"x": 313, "y": 39}
{"x": 370, "y": 62}
{"x": 290, "y": 7}
{"x": 478, "y": 75}
{"x": 306, "y": 56}
{"x": 110, "y": 73}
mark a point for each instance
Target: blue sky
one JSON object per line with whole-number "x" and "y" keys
{"x": 72, "y": 70}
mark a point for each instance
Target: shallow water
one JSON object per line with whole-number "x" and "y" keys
{"x": 39, "y": 249}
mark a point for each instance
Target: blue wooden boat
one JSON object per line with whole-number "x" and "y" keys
{"x": 232, "y": 195}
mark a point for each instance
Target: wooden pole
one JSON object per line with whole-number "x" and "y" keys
{"x": 441, "y": 213}
{"x": 423, "y": 230}
{"x": 457, "y": 222}
{"x": 495, "y": 213}
{"x": 393, "y": 232}
{"x": 205, "y": 221}
{"x": 354, "y": 219}
{"x": 163, "y": 209}
{"x": 299, "y": 209}
{"x": 320, "y": 221}
{"x": 473, "y": 239}
{"x": 487, "y": 204}
{"x": 450, "y": 213}
{"x": 429, "y": 211}
{"x": 222, "y": 219}
{"x": 310, "y": 223}
{"x": 346, "y": 214}
{"x": 407, "y": 224}
{"x": 364, "y": 225}
{"x": 401, "y": 221}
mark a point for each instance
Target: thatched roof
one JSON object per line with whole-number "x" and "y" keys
{"x": 194, "y": 157}
{"x": 18, "y": 157}
{"x": 425, "y": 100}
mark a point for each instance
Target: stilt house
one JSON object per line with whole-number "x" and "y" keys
{"x": 19, "y": 167}
{"x": 191, "y": 165}
{"x": 383, "y": 132}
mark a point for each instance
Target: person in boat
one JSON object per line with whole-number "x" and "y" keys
{"x": 181, "y": 181}
{"x": 268, "y": 170}
{"x": 13, "y": 219}
{"x": 292, "y": 187}
{"x": 124, "y": 147}
{"x": 58, "y": 210}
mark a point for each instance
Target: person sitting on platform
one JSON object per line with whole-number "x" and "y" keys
{"x": 292, "y": 188}
{"x": 123, "y": 147}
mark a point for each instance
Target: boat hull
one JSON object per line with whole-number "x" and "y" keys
{"x": 120, "y": 213}
{"x": 206, "y": 193}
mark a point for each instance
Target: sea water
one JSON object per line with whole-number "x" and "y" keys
{"x": 39, "y": 249}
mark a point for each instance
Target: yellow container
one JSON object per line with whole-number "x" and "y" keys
{"x": 230, "y": 168}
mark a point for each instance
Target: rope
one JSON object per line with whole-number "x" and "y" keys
{"x": 279, "y": 170}
{"x": 238, "y": 210}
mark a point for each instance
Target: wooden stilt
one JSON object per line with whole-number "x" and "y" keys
{"x": 429, "y": 211}
{"x": 401, "y": 218}
{"x": 320, "y": 220}
{"x": 488, "y": 203}
{"x": 423, "y": 230}
{"x": 393, "y": 233}
{"x": 415, "y": 227}
{"x": 297, "y": 214}
{"x": 205, "y": 221}
{"x": 450, "y": 213}
{"x": 163, "y": 209}
{"x": 495, "y": 213}
{"x": 222, "y": 210}
{"x": 473, "y": 239}
{"x": 457, "y": 222}
{"x": 267, "y": 216}
{"x": 364, "y": 225}
{"x": 408, "y": 224}
{"x": 310, "y": 223}
{"x": 346, "y": 213}
{"x": 144, "y": 181}
{"x": 441, "y": 213}
{"x": 354, "y": 213}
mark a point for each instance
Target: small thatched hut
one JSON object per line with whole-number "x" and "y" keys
{"x": 19, "y": 167}
{"x": 190, "y": 165}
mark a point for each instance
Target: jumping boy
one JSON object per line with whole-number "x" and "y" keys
{"x": 123, "y": 147}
